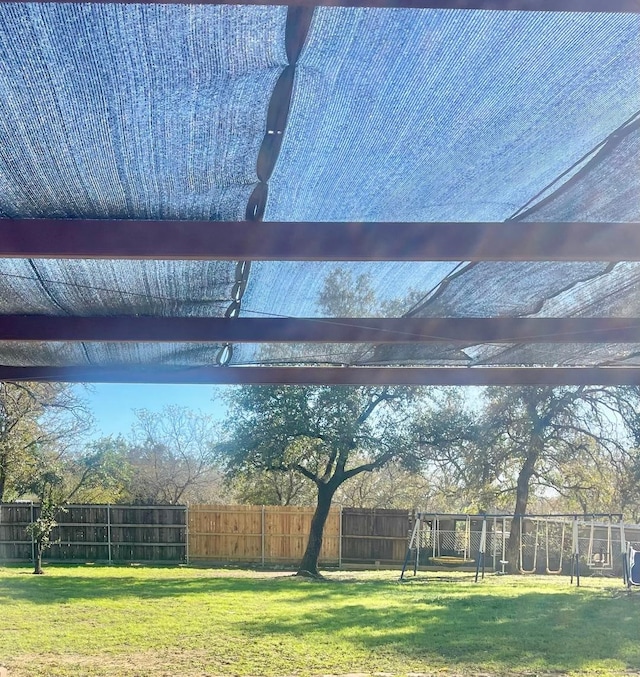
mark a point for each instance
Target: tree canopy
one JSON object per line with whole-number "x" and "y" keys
{"x": 327, "y": 434}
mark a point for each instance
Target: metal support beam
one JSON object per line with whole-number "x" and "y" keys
{"x": 521, "y": 5}
{"x": 467, "y": 330}
{"x": 291, "y": 241}
{"x": 415, "y": 376}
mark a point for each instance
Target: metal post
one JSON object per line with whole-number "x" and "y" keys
{"x": 33, "y": 543}
{"x": 411, "y": 542}
{"x": 504, "y": 545}
{"x": 109, "y": 531}
{"x": 623, "y": 553}
{"x": 415, "y": 571}
{"x": 495, "y": 541}
{"x": 186, "y": 535}
{"x": 521, "y": 550}
{"x": 435, "y": 534}
{"x": 467, "y": 538}
{"x": 263, "y": 535}
{"x": 575, "y": 554}
{"x": 483, "y": 540}
{"x": 481, "y": 549}
{"x": 340, "y": 540}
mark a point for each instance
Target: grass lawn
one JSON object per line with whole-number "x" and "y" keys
{"x": 151, "y": 621}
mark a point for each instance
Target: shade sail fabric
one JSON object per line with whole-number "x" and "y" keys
{"x": 605, "y": 189}
{"x": 352, "y": 354}
{"x": 564, "y": 355}
{"x": 58, "y": 354}
{"x": 73, "y": 353}
{"x": 159, "y": 112}
{"x": 134, "y": 111}
{"x": 438, "y": 115}
{"x": 344, "y": 289}
{"x": 495, "y": 289}
{"x": 85, "y": 288}
{"x": 97, "y": 354}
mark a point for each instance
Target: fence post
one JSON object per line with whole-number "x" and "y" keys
{"x": 109, "y": 532}
{"x": 186, "y": 542}
{"x": 262, "y": 534}
{"x": 33, "y": 543}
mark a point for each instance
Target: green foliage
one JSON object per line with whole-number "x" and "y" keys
{"x": 36, "y": 419}
{"x": 47, "y": 486}
{"x": 101, "y": 473}
{"x": 263, "y": 487}
{"x": 326, "y": 434}
{"x": 40, "y": 529}
{"x": 549, "y": 448}
{"x": 321, "y": 432}
{"x": 392, "y": 486}
{"x": 344, "y": 295}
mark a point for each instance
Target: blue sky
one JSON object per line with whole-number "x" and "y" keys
{"x": 113, "y": 403}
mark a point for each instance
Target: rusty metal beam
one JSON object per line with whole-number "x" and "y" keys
{"x": 316, "y": 330}
{"x": 293, "y": 241}
{"x": 416, "y": 376}
{"x": 521, "y": 5}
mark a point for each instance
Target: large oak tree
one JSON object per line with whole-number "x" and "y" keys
{"x": 552, "y": 438}
{"x": 327, "y": 434}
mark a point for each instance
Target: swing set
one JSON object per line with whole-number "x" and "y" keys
{"x": 599, "y": 556}
{"x": 446, "y": 542}
{"x": 630, "y": 563}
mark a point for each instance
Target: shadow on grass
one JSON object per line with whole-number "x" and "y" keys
{"x": 437, "y": 623}
{"x": 548, "y": 631}
{"x": 64, "y": 588}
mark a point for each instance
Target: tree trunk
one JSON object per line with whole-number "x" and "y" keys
{"x": 38, "y": 562}
{"x": 522, "y": 500}
{"x": 309, "y": 564}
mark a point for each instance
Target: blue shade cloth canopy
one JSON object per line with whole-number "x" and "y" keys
{"x": 448, "y": 115}
{"x": 159, "y": 112}
{"x": 134, "y": 111}
{"x": 86, "y": 354}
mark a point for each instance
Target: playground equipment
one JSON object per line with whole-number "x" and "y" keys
{"x": 575, "y": 552}
{"x": 443, "y": 542}
{"x": 535, "y": 548}
{"x": 600, "y": 555}
{"x": 553, "y": 544}
{"x": 547, "y": 548}
{"x": 630, "y": 561}
{"x": 632, "y": 566}
{"x": 481, "y": 549}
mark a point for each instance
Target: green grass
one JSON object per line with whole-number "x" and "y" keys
{"x": 152, "y": 621}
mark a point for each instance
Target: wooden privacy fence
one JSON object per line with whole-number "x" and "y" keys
{"x": 371, "y": 536}
{"x": 254, "y": 534}
{"x": 98, "y": 533}
{"x": 207, "y": 533}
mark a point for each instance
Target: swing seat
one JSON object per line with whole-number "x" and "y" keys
{"x": 451, "y": 561}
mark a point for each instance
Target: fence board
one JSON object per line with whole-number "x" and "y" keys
{"x": 137, "y": 533}
{"x": 375, "y": 535}
{"x": 235, "y": 534}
